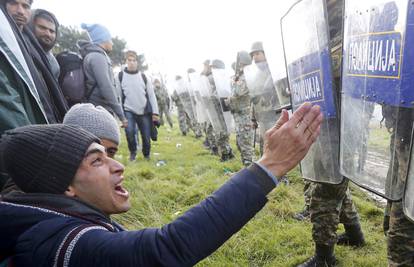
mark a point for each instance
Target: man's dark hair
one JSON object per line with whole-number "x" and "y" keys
{"x": 11, "y": 1}
{"x": 47, "y": 16}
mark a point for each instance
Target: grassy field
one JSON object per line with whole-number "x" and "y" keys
{"x": 160, "y": 194}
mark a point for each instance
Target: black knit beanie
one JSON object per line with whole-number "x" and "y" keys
{"x": 44, "y": 158}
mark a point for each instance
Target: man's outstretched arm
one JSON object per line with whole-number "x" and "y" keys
{"x": 205, "y": 227}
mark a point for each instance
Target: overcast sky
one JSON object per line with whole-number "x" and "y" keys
{"x": 176, "y": 35}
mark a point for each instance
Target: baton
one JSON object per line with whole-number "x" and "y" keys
{"x": 254, "y": 138}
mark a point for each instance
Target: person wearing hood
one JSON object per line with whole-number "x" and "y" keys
{"x": 51, "y": 96}
{"x": 97, "y": 66}
{"x": 45, "y": 26}
{"x": 71, "y": 188}
{"x": 19, "y": 100}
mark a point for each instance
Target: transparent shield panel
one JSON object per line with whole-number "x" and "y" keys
{"x": 409, "y": 192}
{"x": 310, "y": 79}
{"x": 198, "y": 105}
{"x": 223, "y": 86}
{"x": 182, "y": 88}
{"x": 276, "y": 61}
{"x": 376, "y": 119}
{"x": 213, "y": 107}
{"x": 265, "y": 101}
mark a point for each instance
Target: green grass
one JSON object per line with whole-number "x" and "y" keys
{"x": 271, "y": 238}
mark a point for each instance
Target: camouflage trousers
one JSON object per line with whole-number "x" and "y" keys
{"x": 223, "y": 145}
{"x": 400, "y": 238}
{"x": 307, "y": 192}
{"x": 182, "y": 121}
{"x": 244, "y": 136}
{"x": 330, "y": 205}
{"x": 195, "y": 127}
{"x": 210, "y": 136}
{"x": 163, "y": 110}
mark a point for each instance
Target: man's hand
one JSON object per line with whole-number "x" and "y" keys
{"x": 290, "y": 139}
{"x": 155, "y": 117}
{"x": 124, "y": 123}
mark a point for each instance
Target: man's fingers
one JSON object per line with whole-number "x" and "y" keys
{"x": 315, "y": 124}
{"x": 298, "y": 115}
{"x": 312, "y": 138}
{"x": 309, "y": 118}
{"x": 282, "y": 120}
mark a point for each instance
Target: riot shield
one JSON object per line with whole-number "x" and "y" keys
{"x": 195, "y": 93}
{"x": 265, "y": 101}
{"x": 223, "y": 86}
{"x": 276, "y": 62}
{"x": 377, "y": 100}
{"x": 408, "y": 201}
{"x": 182, "y": 88}
{"x": 308, "y": 63}
{"x": 212, "y": 104}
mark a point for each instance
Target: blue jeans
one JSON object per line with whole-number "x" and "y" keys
{"x": 144, "y": 123}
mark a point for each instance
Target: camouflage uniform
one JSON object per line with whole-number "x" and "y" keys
{"x": 400, "y": 236}
{"x": 221, "y": 137}
{"x": 182, "y": 116}
{"x": 211, "y": 138}
{"x": 239, "y": 104}
{"x": 307, "y": 192}
{"x": 330, "y": 205}
{"x": 163, "y": 104}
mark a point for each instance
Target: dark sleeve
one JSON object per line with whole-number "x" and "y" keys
{"x": 188, "y": 239}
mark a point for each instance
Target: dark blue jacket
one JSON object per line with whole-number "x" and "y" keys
{"x": 54, "y": 230}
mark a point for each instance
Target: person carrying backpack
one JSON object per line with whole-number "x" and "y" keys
{"x": 97, "y": 67}
{"x": 140, "y": 105}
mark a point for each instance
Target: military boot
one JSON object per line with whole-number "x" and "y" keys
{"x": 227, "y": 156}
{"x": 324, "y": 257}
{"x": 206, "y": 143}
{"x": 353, "y": 236}
{"x": 214, "y": 151}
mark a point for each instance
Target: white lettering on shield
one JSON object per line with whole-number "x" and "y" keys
{"x": 307, "y": 89}
{"x": 372, "y": 56}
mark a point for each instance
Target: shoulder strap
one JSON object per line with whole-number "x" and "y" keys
{"x": 145, "y": 80}
{"x": 89, "y": 93}
{"x": 120, "y": 76}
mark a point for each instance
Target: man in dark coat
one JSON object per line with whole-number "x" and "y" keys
{"x": 50, "y": 94}
{"x": 72, "y": 187}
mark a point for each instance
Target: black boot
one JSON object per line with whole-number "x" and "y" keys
{"x": 353, "y": 236}
{"x": 226, "y": 157}
{"x": 324, "y": 257}
{"x": 214, "y": 151}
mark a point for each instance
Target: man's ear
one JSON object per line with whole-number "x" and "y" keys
{"x": 70, "y": 192}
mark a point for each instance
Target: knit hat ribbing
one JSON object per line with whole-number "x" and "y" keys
{"x": 44, "y": 158}
{"x": 96, "y": 120}
{"x": 98, "y": 33}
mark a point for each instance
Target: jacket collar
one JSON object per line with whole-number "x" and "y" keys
{"x": 62, "y": 204}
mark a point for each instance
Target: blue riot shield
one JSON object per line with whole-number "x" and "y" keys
{"x": 308, "y": 62}
{"x": 377, "y": 100}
